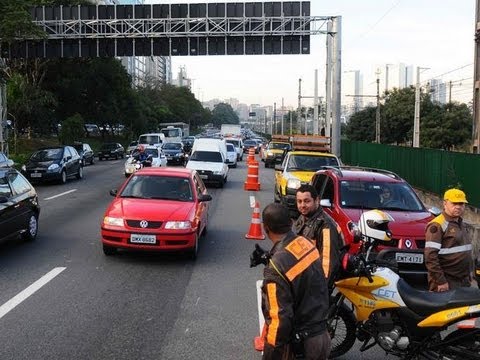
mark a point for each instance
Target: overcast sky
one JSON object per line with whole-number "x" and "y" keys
{"x": 437, "y": 34}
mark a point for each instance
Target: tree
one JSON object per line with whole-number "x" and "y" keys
{"x": 223, "y": 114}
{"x": 72, "y": 129}
{"x": 361, "y": 126}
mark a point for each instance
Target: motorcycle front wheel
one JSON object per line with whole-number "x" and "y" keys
{"x": 341, "y": 326}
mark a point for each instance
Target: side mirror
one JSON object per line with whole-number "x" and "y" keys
{"x": 10, "y": 163}
{"x": 204, "y": 197}
{"x": 279, "y": 168}
{"x": 325, "y": 203}
{"x": 435, "y": 211}
{"x": 113, "y": 192}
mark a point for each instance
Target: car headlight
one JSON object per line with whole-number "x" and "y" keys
{"x": 53, "y": 167}
{"x": 107, "y": 220}
{"x": 24, "y": 168}
{"x": 269, "y": 153}
{"x": 293, "y": 183}
{"x": 218, "y": 172}
{"x": 178, "y": 154}
{"x": 178, "y": 225}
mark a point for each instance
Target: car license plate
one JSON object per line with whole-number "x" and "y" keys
{"x": 204, "y": 176}
{"x": 409, "y": 258}
{"x": 143, "y": 239}
{"x": 36, "y": 175}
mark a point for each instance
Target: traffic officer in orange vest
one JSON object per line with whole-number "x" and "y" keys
{"x": 294, "y": 293}
{"x": 448, "y": 253}
{"x": 316, "y": 225}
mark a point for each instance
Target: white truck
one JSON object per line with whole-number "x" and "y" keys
{"x": 231, "y": 130}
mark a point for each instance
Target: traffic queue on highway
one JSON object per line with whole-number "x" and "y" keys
{"x": 165, "y": 208}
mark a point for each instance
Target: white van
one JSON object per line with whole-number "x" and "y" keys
{"x": 238, "y": 143}
{"x": 209, "y": 158}
{"x": 154, "y": 139}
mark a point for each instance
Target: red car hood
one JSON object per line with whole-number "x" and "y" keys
{"x": 160, "y": 210}
{"x": 407, "y": 225}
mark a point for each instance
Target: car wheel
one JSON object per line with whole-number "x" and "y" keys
{"x": 116, "y": 156}
{"x": 80, "y": 173}
{"x": 193, "y": 253}
{"x": 32, "y": 228}
{"x": 234, "y": 165}
{"x": 63, "y": 177}
{"x": 92, "y": 160}
{"x": 108, "y": 250}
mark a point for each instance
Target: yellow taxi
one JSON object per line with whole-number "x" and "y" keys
{"x": 298, "y": 167}
{"x": 274, "y": 152}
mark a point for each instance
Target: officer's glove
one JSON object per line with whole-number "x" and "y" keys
{"x": 259, "y": 256}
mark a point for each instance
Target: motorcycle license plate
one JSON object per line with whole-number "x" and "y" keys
{"x": 409, "y": 258}
{"x": 143, "y": 239}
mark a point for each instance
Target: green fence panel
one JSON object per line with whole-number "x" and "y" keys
{"x": 427, "y": 169}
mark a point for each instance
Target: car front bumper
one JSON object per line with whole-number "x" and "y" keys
{"x": 182, "y": 240}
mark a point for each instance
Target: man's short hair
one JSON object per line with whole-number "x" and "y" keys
{"x": 308, "y": 188}
{"x": 277, "y": 218}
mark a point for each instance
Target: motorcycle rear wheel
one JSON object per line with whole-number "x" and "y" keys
{"x": 341, "y": 326}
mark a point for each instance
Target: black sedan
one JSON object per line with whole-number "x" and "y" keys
{"x": 19, "y": 208}
{"x": 53, "y": 163}
{"x": 174, "y": 152}
{"x": 111, "y": 150}
{"x": 85, "y": 152}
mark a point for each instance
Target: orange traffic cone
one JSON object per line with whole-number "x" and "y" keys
{"x": 251, "y": 155}
{"x": 252, "y": 183}
{"x": 255, "y": 231}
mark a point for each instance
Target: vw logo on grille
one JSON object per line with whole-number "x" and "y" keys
{"x": 143, "y": 223}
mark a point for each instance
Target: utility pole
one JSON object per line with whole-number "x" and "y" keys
{"x": 291, "y": 120}
{"x": 386, "y": 76}
{"x": 283, "y": 115}
{"x": 274, "y": 118}
{"x": 315, "y": 104}
{"x": 328, "y": 81}
{"x": 3, "y": 107}
{"x": 476, "y": 84}
{"x": 336, "y": 85}
{"x": 416, "y": 120}
{"x": 377, "y": 114}
{"x": 299, "y": 108}
{"x": 450, "y": 92}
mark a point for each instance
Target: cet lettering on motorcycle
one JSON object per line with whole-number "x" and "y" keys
{"x": 473, "y": 309}
{"x": 384, "y": 293}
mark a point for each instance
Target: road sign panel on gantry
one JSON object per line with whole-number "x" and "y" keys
{"x": 253, "y": 28}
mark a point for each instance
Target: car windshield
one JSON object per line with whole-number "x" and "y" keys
{"x": 209, "y": 156}
{"x": 79, "y": 148}
{"x": 397, "y": 196}
{"x": 235, "y": 143}
{"x": 149, "y": 139}
{"x": 230, "y": 148}
{"x": 250, "y": 143}
{"x": 47, "y": 154}
{"x": 172, "y": 146}
{"x": 152, "y": 152}
{"x": 278, "y": 146}
{"x": 158, "y": 187}
{"x": 310, "y": 162}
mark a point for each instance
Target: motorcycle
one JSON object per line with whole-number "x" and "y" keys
{"x": 373, "y": 304}
{"x": 133, "y": 164}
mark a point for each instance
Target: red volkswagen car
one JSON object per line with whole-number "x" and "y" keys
{"x": 157, "y": 209}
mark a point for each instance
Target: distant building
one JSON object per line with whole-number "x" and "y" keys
{"x": 438, "y": 91}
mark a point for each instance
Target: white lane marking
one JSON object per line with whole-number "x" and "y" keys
{"x": 261, "y": 319}
{"x": 24, "y": 294}
{"x": 61, "y": 194}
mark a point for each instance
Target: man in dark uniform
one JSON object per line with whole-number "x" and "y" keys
{"x": 314, "y": 224}
{"x": 294, "y": 293}
{"x": 448, "y": 254}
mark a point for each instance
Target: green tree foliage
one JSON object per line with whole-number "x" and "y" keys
{"x": 72, "y": 129}
{"x": 441, "y": 126}
{"x": 31, "y": 107}
{"x": 16, "y": 22}
{"x": 448, "y": 127}
{"x": 361, "y": 126}
{"x": 223, "y": 114}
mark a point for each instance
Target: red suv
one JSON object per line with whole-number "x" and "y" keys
{"x": 346, "y": 192}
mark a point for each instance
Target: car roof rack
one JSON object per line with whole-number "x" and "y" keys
{"x": 338, "y": 170}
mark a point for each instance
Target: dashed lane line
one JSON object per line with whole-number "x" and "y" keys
{"x": 29, "y": 291}
{"x": 61, "y": 194}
